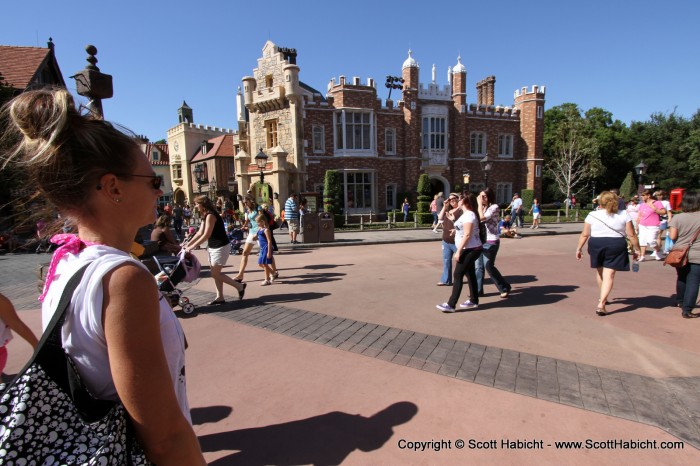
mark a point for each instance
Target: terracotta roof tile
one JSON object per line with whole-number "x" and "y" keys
{"x": 164, "y": 156}
{"x": 220, "y": 146}
{"x": 18, "y": 65}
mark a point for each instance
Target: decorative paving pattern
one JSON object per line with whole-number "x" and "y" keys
{"x": 672, "y": 404}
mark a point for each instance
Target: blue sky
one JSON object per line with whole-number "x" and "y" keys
{"x": 632, "y": 58}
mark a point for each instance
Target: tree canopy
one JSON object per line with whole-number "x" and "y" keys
{"x": 668, "y": 144}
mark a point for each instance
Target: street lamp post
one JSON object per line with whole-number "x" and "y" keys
{"x": 393, "y": 82}
{"x": 466, "y": 177}
{"x": 261, "y": 162}
{"x": 486, "y": 166}
{"x": 199, "y": 176}
{"x": 93, "y": 84}
{"x": 640, "y": 170}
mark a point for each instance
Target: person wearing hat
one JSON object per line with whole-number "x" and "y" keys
{"x": 516, "y": 210}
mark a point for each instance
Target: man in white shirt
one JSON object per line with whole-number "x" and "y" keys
{"x": 517, "y": 210}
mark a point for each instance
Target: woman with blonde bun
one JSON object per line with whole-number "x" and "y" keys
{"x": 125, "y": 342}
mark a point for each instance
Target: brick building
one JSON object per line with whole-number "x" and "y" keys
{"x": 382, "y": 147}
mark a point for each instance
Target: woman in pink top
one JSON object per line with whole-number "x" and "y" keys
{"x": 633, "y": 210}
{"x": 648, "y": 221}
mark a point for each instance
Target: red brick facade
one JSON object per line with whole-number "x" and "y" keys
{"x": 430, "y": 130}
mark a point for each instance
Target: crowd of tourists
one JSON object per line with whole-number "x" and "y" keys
{"x": 102, "y": 309}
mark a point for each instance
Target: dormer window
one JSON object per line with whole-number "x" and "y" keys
{"x": 155, "y": 155}
{"x": 204, "y": 147}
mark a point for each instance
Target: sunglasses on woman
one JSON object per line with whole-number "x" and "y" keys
{"x": 156, "y": 181}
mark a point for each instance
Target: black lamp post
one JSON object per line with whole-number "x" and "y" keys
{"x": 393, "y": 82}
{"x": 486, "y": 166}
{"x": 640, "y": 170}
{"x": 92, "y": 83}
{"x": 261, "y": 162}
{"x": 199, "y": 176}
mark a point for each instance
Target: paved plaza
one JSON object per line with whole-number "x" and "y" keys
{"x": 346, "y": 359}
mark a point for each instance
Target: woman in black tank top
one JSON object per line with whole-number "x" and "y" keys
{"x": 212, "y": 230}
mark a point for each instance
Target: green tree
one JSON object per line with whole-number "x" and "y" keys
{"x": 668, "y": 144}
{"x": 628, "y": 188}
{"x": 424, "y": 199}
{"x": 692, "y": 148}
{"x": 572, "y": 153}
{"x": 611, "y": 136}
{"x": 331, "y": 192}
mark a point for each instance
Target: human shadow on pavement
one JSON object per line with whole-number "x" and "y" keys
{"x": 640, "y": 302}
{"x": 308, "y": 278}
{"x": 320, "y": 440}
{"x": 210, "y": 414}
{"x": 291, "y": 297}
{"x": 513, "y": 279}
{"x": 534, "y": 296}
{"x": 325, "y": 266}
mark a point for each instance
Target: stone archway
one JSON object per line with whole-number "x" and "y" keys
{"x": 439, "y": 184}
{"x": 179, "y": 197}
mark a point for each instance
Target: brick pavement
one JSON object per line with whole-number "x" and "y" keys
{"x": 672, "y": 404}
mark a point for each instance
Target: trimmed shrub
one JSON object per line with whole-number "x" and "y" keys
{"x": 628, "y": 187}
{"x": 424, "y": 199}
{"x": 528, "y": 195}
{"x": 331, "y": 192}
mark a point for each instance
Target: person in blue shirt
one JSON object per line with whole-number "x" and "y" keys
{"x": 405, "y": 207}
{"x": 291, "y": 215}
{"x": 506, "y": 229}
{"x": 536, "y": 214}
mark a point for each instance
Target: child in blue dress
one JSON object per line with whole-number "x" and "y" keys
{"x": 265, "y": 254}
{"x": 536, "y": 213}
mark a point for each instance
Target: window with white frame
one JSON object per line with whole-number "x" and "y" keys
{"x": 177, "y": 171}
{"x": 271, "y": 133}
{"x": 391, "y": 196}
{"x": 478, "y": 144}
{"x": 155, "y": 155}
{"x": 504, "y": 193}
{"x": 317, "y": 139}
{"x": 354, "y": 130}
{"x": 390, "y": 141}
{"x": 358, "y": 189}
{"x": 434, "y": 132}
{"x": 505, "y": 145}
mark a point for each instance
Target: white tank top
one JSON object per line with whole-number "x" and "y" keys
{"x": 83, "y": 332}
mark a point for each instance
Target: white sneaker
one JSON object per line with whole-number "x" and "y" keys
{"x": 657, "y": 257}
{"x": 641, "y": 259}
{"x": 444, "y": 307}
{"x": 468, "y": 305}
{"x": 265, "y": 283}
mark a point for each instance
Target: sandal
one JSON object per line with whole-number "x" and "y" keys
{"x": 239, "y": 280}
{"x": 241, "y": 292}
{"x": 601, "y": 312}
{"x": 216, "y": 302}
{"x": 442, "y": 284}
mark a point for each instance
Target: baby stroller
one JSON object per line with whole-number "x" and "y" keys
{"x": 172, "y": 271}
{"x": 235, "y": 237}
